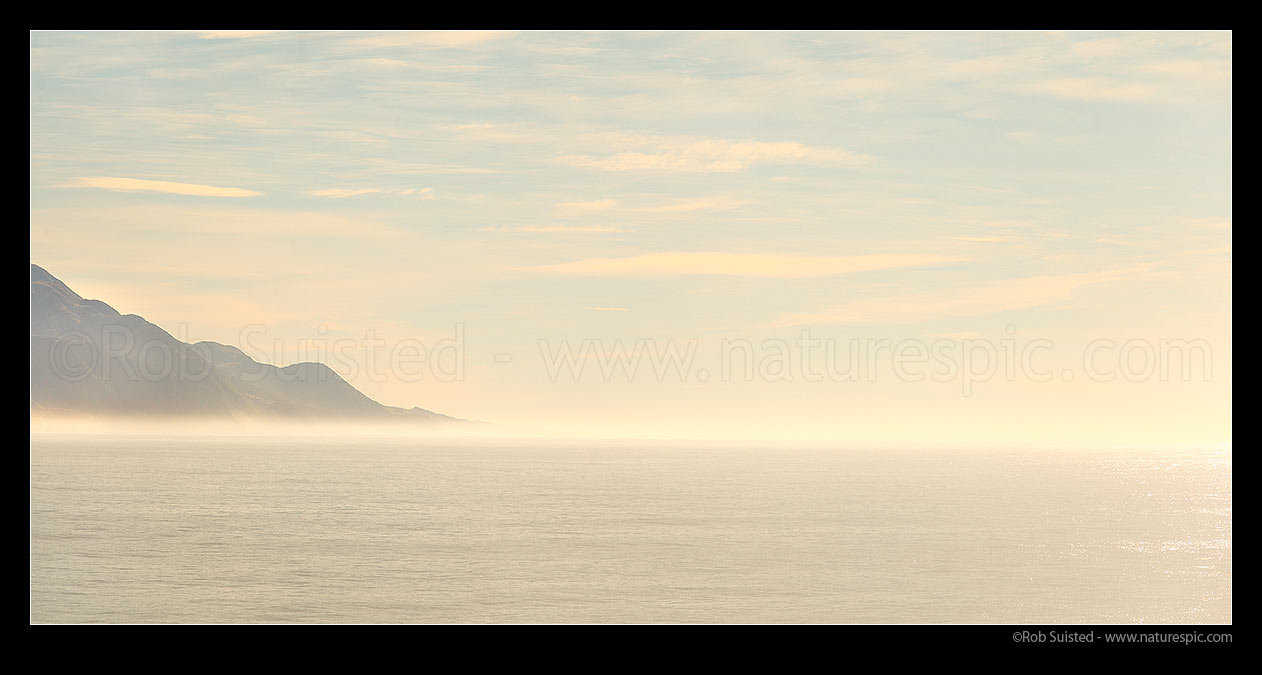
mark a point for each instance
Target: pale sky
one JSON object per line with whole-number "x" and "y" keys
{"x": 521, "y": 193}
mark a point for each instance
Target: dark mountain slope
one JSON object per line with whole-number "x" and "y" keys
{"x": 88, "y": 358}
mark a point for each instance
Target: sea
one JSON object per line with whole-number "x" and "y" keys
{"x": 130, "y": 529}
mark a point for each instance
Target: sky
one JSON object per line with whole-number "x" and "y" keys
{"x": 864, "y": 236}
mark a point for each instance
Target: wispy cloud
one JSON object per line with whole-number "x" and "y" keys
{"x": 143, "y": 185}
{"x": 551, "y": 228}
{"x": 982, "y": 239}
{"x": 678, "y": 206}
{"x": 231, "y": 34}
{"x": 338, "y": 193}
{"x": 385, "y": 63}
{"x": 1095, "y": 89}
{"x": 714, "y": 156}
{"x": 498, "y": 133}
{"x": 146, "y": 221}
{"x": 449, "y": 39}
{"x": 1199, "y": 69}
{"x": 608, "y": 309}
{"x": 587, "y": 206}
{"x": 698, "y": 204}
{"x": 342, "y": 193}
{"x": 772, "y": 265}
{"x": 969, "y": 301}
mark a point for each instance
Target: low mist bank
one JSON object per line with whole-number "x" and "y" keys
{"x": 218, "y": 426}
{"x": 342, "y": 431}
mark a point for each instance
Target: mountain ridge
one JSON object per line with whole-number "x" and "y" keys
{"x": 88, "y": 358}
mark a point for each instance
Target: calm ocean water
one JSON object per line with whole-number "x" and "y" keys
{"x": 134, "y": 529}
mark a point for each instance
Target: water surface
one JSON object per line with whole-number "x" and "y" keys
{"x": 243, "y": 530}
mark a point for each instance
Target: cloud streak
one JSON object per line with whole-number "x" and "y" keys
{"x": 437, "y": 39}
{"x": 715, "y": 156}
{"x": 587, "y": 206}
{"x": 168, "y": 187}
{"x": 232, "y": 34}
{"x": 699, "y": 204}
{"x": 972, "y": 301}
{"x": 551, "y": 228}
{"x": 343, "y": 193}
{"x": 768, "y": 265}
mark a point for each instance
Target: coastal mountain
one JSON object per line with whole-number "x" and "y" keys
{"x": 87, "y": 358}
